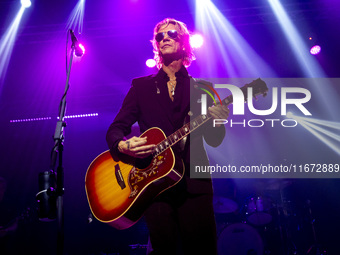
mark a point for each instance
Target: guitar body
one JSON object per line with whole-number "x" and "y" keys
{"x": 119, "y": 192}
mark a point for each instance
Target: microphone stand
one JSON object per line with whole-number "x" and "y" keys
{"x": 58, "y": 153}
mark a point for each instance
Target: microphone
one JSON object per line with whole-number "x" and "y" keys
{"x": 78, "y": 51}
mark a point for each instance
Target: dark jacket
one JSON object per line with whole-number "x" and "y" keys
{"x": 149, "y": 104}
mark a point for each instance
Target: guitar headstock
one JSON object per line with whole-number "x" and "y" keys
{"x": 259, "y": 88}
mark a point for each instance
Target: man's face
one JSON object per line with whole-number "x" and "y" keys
{"x": 168, "y": 46}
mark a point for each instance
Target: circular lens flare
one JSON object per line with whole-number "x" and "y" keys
{"x": 316, "y": 49}
{"x": 196, "y": 41}
{"x": 150, "y": 63}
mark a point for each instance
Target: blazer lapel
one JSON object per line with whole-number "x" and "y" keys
{"x": 163, "y": 99}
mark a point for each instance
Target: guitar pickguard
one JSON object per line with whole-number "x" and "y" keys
{"x": 138, "y": 178}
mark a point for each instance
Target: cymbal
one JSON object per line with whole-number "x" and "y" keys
{"x": 224, "y": 205}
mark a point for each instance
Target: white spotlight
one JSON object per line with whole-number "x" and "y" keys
{"x": 150, "y": 63}
{"x": 196, "y": 41}
{"x": 25, "y": 3}
{"x": 316, "y": 49}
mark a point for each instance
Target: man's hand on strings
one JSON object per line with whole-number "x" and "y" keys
{"x": 136, "y": 147}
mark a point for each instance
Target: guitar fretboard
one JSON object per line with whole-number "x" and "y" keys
{"x": 180, "y": 134}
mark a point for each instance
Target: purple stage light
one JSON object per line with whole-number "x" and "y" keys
{"x": 79, "y": 50}
{"x": 196, "y": 41}
{"x": 316, "y": 49}
{"x": 30, "y": 120}
{"x": 82, "y": 48}
{"x": 150, "y": 63}
{"x": 49, "y": 118}
{"x": 80, "y": 116}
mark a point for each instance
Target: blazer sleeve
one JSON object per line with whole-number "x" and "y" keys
{"x": 213, "y": 135}
{"x": 121, "y": 126}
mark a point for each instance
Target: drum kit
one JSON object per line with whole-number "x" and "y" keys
{"x": 264, "y": 224}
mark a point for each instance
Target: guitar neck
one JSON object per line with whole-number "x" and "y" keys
{"x": 180, "y": 134}
{"x": 186, "y": 130}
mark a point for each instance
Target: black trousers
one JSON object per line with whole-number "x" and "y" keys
{"x": 182, "y": 223}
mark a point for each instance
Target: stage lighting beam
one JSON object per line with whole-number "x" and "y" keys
{"x": 326, "y": 123}
{"x": 324, "y": 131}
{"x": 76, "y": 18}
{"x": 26, "y": 3}
{"x": 7, "y": 43}
{"x": 320, "y": 137}
{"x": 319, "y": 132}
{"x": 308, "y": 64}
{"x": 226, "y": 44}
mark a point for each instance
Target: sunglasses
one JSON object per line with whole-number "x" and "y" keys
{"x": 171, "y": 33}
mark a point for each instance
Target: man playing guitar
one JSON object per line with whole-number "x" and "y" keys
{"x": 185, "y": 211}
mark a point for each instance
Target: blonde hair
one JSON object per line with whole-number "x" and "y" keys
{"x": 184, "y": 39}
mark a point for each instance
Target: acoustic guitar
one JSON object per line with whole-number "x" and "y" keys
{"x": 119, "y": 192}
